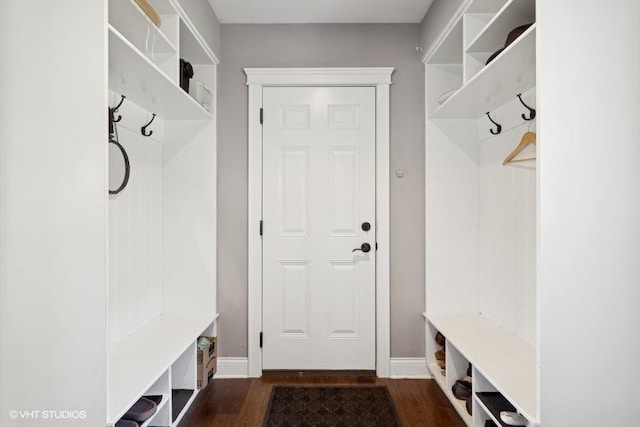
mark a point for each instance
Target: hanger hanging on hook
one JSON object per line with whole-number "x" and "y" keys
{"x": 532, "y": 111}
{"x": 143, "y": 129}
{"x": 528, "y": 138}
{"x": 498, "y": 128}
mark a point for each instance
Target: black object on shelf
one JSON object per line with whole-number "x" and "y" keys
{"x": 511, "y": 37}
{"x": 141, "y": 411}
{"x": 490, "y": 423}
{"x": 179, "y": 399}
{"x": 186, "y": 73}
{"x": 461, "y": 390}
{"x": 496, "y": 403}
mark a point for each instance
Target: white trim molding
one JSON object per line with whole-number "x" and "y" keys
{"x": 231, "y": 367}
{"x": 378, "y": 77}
{"x": 318, "y": 76}
{"x": 409, "y": 367}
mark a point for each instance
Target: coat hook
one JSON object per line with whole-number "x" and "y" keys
{"x": 143, "y": 129}
{"x": 115, "y": 109}
{"x": 532, "y": 112}
{"x": 498, "y": 127}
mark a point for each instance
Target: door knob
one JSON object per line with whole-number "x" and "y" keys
{"x": 365, "y": 247}
{"x": 366, "y": 226}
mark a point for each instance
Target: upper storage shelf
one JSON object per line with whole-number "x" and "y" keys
{"x": 127, "y": 17}
{"x": 457, "y": 60}
{"x": 514, "y": 14}
{"x": 131, "y": 73}
{"x": 510, "y": 73}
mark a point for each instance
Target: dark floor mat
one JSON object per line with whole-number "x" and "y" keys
{"x": 330, "y": 407}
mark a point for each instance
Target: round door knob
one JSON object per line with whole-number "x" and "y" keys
{"x": 365, "y": 247}
{"x": 366, "y": 226}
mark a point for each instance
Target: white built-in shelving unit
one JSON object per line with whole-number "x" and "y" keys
{"x": 480, "y": 215}
{"x": 162, "y": 226}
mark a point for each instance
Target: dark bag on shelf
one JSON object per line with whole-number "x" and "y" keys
{"x": 186, "y": 73}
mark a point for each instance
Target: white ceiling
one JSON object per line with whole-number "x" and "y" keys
{"x": 319, "y": 11}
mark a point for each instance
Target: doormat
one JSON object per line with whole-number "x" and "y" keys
{"x": 330, "y": 407}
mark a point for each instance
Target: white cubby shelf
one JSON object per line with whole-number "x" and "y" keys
{"x": 514, "y": 13}
{"x": 127, "y": 17}
{"x": 510, "y": 73}
{"x": 132, "y": 74}
{"x": 507, "y": 362}
{"x": 140, "y": 359}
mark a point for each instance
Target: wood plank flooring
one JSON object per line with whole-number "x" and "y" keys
{"x": 242, "y": 402}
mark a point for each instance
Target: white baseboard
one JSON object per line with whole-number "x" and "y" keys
{"x": 232, "y": 367}
{"x": 401, "y": 367}
{"x": 409, "y": 367}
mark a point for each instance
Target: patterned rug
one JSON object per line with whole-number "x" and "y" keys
{"x": 350, "y": 406}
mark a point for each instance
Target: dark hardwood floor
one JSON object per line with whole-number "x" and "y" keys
{"x": 242, "y": 402}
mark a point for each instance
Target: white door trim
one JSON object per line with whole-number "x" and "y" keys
{"x": 380, "y": 78}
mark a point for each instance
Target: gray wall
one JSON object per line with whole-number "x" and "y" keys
{"x": 438, "y": 16}
{"x": 204, "y": 18}
{"x": 319, "y": 45}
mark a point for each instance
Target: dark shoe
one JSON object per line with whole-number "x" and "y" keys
{"x": 440, "y": 340}
{"x": 469, "y": 406}
{"x": 461, "y": 390}
{"x": 490, "y": 423}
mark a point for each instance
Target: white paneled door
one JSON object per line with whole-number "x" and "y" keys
{"x": 319, "y": 228}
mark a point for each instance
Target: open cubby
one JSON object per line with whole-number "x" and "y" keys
{"x": 179, "y": 399}
{"x": 457, "y": 366}
{"x": 183, "y": 382}
{"x": 492, "y": 403}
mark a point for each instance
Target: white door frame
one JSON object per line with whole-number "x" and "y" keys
{"x": 380, "y": 78}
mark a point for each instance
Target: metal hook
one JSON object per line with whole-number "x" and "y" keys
{"x": 143, "y": 129}
{"x": 115, "y": 109}
{"x": 498, "y": 127}
{"x": 532, "y": 112}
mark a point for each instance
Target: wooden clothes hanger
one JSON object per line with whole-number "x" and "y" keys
{"x": 527, "y": 138}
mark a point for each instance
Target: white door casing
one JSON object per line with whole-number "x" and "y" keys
{"x": 257, "y": 79}
{"x": 318, "y": 189}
